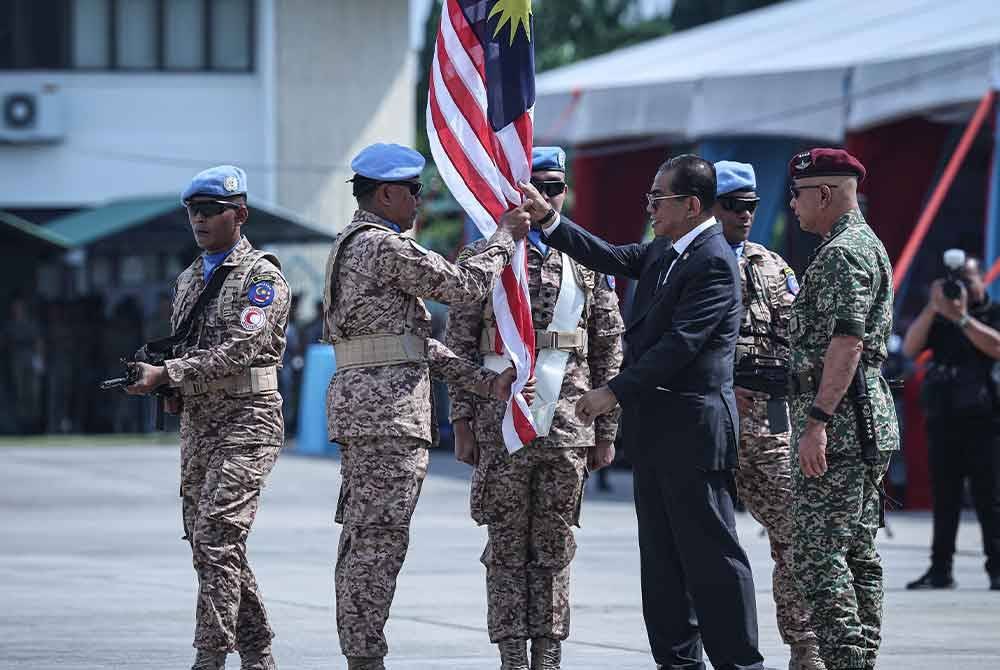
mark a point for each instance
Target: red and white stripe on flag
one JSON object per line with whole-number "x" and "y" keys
{"x": 481, "y": 168}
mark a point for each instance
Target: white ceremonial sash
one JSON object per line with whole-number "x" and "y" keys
{"x": 550, "y": 365}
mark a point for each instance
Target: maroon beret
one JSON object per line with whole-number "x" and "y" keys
{"x": 825, "y": 163}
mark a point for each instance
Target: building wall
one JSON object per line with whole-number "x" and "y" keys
{"x": 345, "y": 75}
{"x": 132, "y": 134}
{"x": 330, "y": 76}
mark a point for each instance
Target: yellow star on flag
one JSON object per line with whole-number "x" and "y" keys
{"x": 515, "y": 12}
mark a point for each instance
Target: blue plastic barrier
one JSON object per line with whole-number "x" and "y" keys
{"x": 312, "y": 437}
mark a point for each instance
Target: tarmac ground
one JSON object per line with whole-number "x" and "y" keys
{"x": 94, "y": 573}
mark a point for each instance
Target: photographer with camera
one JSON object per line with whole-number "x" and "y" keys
{"x": 960, "y": 324}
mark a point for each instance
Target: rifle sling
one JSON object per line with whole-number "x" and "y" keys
{"x": 165, "y": 344}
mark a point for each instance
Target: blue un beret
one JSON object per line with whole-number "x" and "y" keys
{"x": 388, "y": 162}
{"x": 548, "y": 158}
{"x": 221, "y": 181}
{"x": 732, "y": 176}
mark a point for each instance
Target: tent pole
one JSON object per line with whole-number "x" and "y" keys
{"x": 941, "y": 189}
{"x": 993, "y": 273}
{"x": 991, "y": 248}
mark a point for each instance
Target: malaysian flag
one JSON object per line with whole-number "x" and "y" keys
{"x": 479, "y": 122}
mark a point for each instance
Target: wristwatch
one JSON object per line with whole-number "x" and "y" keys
{"x": 819, "y": 415}
{"x": 547, "y": 219}
{"x": 963, "y": 321}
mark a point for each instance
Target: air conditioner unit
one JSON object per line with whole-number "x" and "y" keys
{"x": 31, "y": 115}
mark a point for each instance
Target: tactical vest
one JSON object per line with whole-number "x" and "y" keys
{"x": 546, "y": 339}
{"x": 374, "y": 350}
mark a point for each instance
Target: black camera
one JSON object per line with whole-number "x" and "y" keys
{"x": 954, "y": 262}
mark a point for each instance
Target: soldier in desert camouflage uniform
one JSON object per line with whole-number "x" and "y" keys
{"x": 841, "y": 319}
{"x": 225, "y": 374}
{"x": 764, "y": 476}
{"x": 530, "y": 500}
{"x": 379, "y": 400}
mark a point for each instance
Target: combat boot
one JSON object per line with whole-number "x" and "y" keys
{"x": 257, "y": 660}
{"x": 513, "y": 654}
{"x": 995, "y": 582}
{"x": 546, "y": 653}
{"x": 209, "y": 660}
{"x": 805, "y": 657}
{"x": 365, "y": 663}
{"x": 935, "y": 578}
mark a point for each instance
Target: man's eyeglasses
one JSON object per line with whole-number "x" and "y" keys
{"x": 739, "y": 205}
{"x": 209, "y": 208}
{"x": 795, "y": 190}
{"x": 415, "y": 186}
{"x": 653, "y": 197}
{"x": 551, "y": 188}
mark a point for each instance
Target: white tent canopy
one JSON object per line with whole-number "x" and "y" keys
{"x": 805, "y": 68}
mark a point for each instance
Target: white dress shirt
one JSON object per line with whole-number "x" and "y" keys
{"x": 686, "y": 239}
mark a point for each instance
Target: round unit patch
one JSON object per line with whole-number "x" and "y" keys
{"x": 252, "y": 318}
{"x": 261, "y": 293}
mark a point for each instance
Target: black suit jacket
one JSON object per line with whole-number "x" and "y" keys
{"x": 676, "y": 388}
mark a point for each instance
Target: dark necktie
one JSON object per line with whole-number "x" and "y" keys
{"x": 669, "y": 256}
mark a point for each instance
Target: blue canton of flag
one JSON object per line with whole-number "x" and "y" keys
{"x": 504, "y": 28}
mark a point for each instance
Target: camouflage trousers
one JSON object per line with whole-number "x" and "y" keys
{"x": 839, "y": 573}
{"x": 764, "y": 482}
{"x": 220, "y": 491}
{"x": 380, "y": 485}
{"x": 529, "y": 502}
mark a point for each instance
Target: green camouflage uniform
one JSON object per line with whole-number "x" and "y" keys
{"x": 847, "y": 290}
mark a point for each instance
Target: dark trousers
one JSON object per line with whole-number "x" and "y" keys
{"x": 959, "y": 449}
{"x": 697, "y": 587}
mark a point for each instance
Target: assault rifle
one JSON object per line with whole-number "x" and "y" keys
{"x": 767, "y": 374}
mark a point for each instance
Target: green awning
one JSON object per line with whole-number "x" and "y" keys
{"x": 162, "y": 218}
{"x": 86, "y": 226}
{"x": 26, "y": 232}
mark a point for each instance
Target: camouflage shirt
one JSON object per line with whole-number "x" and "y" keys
{"x": 604, "y": 352}
{"x": 769, "y": 289}
{"x": 223, "y": 343}
{"x": 381, "y": 277}
{"x": 846, "y": 290}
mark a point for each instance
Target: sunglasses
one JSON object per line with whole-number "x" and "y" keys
{"x": 796, "y": 190}
{"x": 415, "y": 186}
{"x": 550, "y": 188}
{"x": 653, "y": 197}
{"x": 209, "y": 208}
{"x": 739, "y": 205}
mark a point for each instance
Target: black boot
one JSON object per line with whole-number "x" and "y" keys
{"x": 995, "y": 582}
{"x": 935, "y": 578}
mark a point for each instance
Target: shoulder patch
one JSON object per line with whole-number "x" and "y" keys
{"x": 269, "y": 277}
{"x": 252, "y": 318}
{"x": 790, "y": 281}
{"x": 261, "y": 293}
{"x": 610, "y": 279}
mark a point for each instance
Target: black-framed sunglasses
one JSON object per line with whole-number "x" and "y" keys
{"x": 739, "y": 205}
{"x": 796, "y": 190}
{"x": 653, "y": 198}
{"x": 415, "y": 186}
{"x": 551, "y": 188}
{"x": 209, "y": 208}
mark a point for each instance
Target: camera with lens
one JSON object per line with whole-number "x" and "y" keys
{"x": 954, "y": 262}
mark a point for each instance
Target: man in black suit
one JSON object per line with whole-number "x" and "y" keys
{"x": 679, "y": 417}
